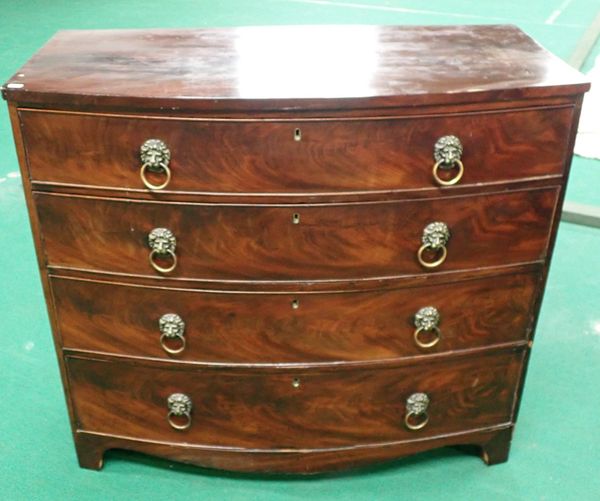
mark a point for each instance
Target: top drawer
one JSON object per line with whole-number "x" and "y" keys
{"x": 294, "y": 156}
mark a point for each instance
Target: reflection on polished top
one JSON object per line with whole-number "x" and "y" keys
{"x": 283, "y": 67}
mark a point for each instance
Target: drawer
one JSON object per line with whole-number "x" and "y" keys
{"x": 271, "y": 328}
{"x": 292, "y": 408}
{"x": 265, "y": 156}
{"x": 337, "y": 241}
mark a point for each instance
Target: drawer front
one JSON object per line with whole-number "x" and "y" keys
{"x": 260, "y": 156}
{"x": 263, "y": 242}
{"x": 292, "y": 408}
{"x": 272, "y": 328}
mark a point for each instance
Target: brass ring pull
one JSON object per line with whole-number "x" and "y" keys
{"x": 172, "y": 327}
{"x": 451, "y": 181}
{"x": 183, "y": 426}
{"x": 155, "y": 157}
{"x": 431, "y": 264}
{"x": 180, "y": 405}
{"x": 163, "y": 243}
{"x": 148, "y": 184}
{"x": 159, "y": 268}
{"x": 416, "y": 407}
{"x": 435, "y": 237}
{"x": 419, "y": 425}
{"x": 427, "y": 319}
{"x": 447, "y": 152}
{"x": 430, "y": 344}
{"x": 171, "y": 350}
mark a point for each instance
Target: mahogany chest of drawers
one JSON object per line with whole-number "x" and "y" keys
{"x": 294, "y": 249}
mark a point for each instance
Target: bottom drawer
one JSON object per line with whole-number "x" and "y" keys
{"x": 291, "y": 408}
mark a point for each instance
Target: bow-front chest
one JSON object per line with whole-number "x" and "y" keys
{"x": 294, "y": 249}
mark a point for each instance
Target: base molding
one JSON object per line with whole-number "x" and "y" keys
{"x": 492, "y": 445}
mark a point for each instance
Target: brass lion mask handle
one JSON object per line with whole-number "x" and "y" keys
{"x": 163, "y": 243}
{"x": 180, "y": 406}
{"x": 447, "y": 152}
{"x": 416, "y": 416}
{"x": 435, "y": 237}
{"x": 155, "y": 157}
{"x": 172, "y": 330}
{"x": 427, "y": 319}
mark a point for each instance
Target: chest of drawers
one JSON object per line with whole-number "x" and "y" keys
{"x": 293, "y": 249}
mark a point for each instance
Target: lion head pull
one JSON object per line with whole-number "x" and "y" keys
{"x": 180, "y": 408}
{"x": 416, "y": 416}
{"x": 172, "y": 331}
{"x": 447, "y": 152}
{"x": 163, "y": 244}
{"x": 435, "y": 238}
{"x": 155, "y": 157}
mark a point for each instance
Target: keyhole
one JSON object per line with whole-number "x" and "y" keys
{"x": 296, "y": 218}
{"x": 297, "y": 135}
{"x": 295, "y": 304}
{"x": 296, "y": 382}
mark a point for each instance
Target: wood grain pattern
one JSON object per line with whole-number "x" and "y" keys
{"x": 331, "y": 241}
{"x": 262, "y": 409}
{"x": 333, "y": 156}
{"x": 291, "y": 67}
{"x": 265, "y": 328}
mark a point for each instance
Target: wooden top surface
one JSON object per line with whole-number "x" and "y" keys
{"x": 290, "y": 67}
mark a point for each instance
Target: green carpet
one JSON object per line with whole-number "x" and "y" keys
{"x": 556, "y": 448}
